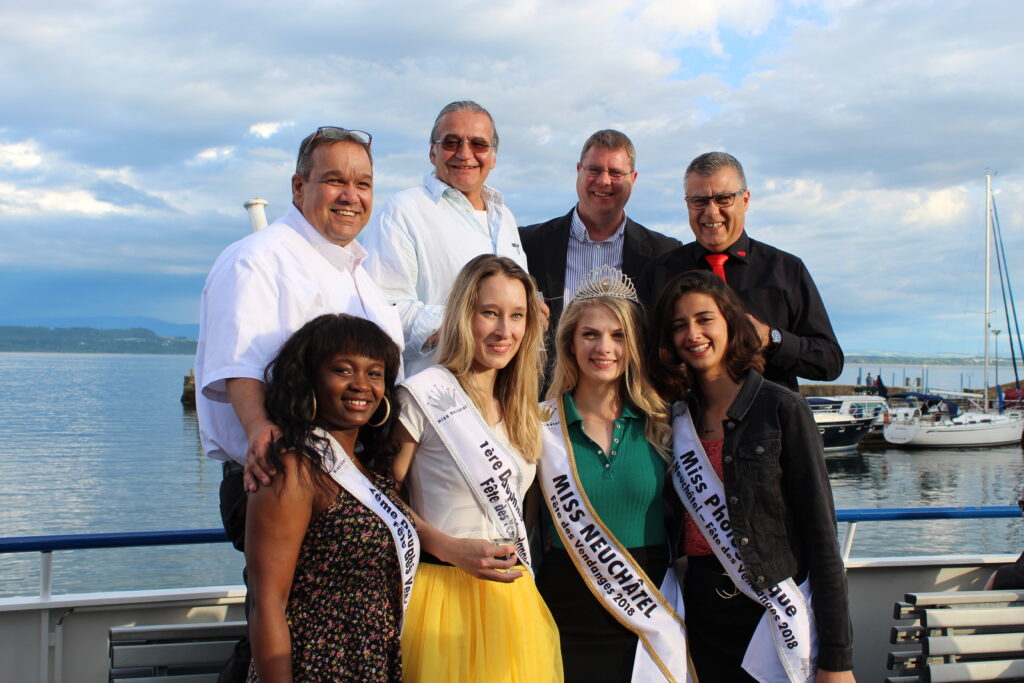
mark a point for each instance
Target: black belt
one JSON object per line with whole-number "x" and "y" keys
{"x": 232, "y": 467}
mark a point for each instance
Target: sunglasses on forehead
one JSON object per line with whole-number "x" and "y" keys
{"x": 337, "y": 133}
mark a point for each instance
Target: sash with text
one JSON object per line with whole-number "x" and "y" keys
{"x": 787, "y": 626}
{"x": 609, "y": 571}
{"x": 348, "y": 476}
{"x": 487, "y": 465}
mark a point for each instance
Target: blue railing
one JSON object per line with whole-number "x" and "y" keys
{"x": 45, "y": 545}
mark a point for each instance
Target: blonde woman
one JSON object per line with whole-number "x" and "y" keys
{"x": 606, "y": 449}
{"x": 467, "y": 457}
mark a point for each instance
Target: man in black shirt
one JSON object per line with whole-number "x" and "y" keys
{"x": 780, "y": 295}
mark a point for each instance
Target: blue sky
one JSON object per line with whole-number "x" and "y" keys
{"x": 132, "y": 133}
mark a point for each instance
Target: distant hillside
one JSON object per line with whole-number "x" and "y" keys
{"x": 881, "y": 358}
{"x": 91, "y": 340}
{"x": 110, "y": 323}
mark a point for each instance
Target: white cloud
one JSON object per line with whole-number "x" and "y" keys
{"x": 213, "y": 154}
{"x": 16, "y": 201}
{"x": 20, "y": 155}
{"x": 266, "y": 129}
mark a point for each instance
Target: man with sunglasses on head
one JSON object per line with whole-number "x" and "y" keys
{"x": 782, "y": 301}
{"x": 263, "y": 288}
{"x": 424, "y": 235}
{"x": 596, "y": 231}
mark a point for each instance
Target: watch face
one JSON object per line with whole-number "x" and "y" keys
{"x": 776, "y": 336}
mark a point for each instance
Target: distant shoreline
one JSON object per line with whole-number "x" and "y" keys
{"x": 137, "y": 340}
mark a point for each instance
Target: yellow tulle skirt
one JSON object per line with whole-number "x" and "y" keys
{"x": 462, "y": 629}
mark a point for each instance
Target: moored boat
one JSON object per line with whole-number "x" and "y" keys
{"x": 844, "y": 421}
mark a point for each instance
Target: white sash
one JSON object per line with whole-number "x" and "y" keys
{"x": 787, "y": 626}
{"x": 347, "y": 475}
{"x": 612, "y": 575}
{"x": 489, "y": 468}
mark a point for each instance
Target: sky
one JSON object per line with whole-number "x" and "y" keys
{"x": 131, "y": 134}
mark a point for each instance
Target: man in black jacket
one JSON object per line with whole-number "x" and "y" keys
{"x": 780, "y": 295}
{"x": 596, "y": 231}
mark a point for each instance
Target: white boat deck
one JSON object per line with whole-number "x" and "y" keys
{"x": 64, "y": 637}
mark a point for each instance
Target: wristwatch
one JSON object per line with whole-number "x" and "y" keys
{"x": 774, "y": 339}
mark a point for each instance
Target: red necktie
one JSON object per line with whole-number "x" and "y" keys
{"x": 717, "y": 262}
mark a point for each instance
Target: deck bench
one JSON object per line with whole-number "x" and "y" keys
{"x": 958, "y": 636}
{"x": 178, "y": 653}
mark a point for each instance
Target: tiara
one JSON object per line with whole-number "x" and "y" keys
{"x": 605, "y": 281}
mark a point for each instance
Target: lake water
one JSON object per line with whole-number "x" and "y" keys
{"x": 96, "y": 443}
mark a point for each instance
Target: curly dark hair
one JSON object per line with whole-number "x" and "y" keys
{"x": 742, "y": 354}
{"x": 291, "y": 386}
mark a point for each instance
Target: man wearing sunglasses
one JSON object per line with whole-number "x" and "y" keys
{"x": 782, "y": 301}
{"x": 596, "y": 231}
{"x": 424, "y": 235}
{"x": 263, "y": 288}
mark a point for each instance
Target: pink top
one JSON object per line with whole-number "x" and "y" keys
{"x": 693, "y": 540}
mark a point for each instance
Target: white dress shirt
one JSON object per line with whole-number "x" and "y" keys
{"x": 420, "y": 241}
{"x": 260, "y": 290}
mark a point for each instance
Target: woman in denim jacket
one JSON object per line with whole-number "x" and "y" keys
{"x": 763, "y": 444}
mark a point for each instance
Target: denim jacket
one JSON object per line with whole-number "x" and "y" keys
{"x": 780, "y": 504}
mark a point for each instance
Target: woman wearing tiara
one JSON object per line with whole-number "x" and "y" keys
{"x": 606, "y": 445}
{"x": 469, "y": 450}
{"x": 759, "y": 534}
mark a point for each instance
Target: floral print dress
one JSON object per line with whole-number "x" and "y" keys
{"x": 345, "y": 608}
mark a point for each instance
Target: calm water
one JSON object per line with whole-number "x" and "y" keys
{"x": 95, "y": 443}
{"x": 101, "y": 443}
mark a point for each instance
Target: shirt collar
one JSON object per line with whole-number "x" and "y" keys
{"x": 739, "y": 250}
{"x": 437, "y": 189}
{"x": 345, "y": 258}
{"x": 579, "y": 231}
{"x": 629, "y": 411}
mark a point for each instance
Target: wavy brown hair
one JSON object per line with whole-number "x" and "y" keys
{"x": 636, "y": 384}
{"x": 743, "y": 352}
{"x": 291, "y": 387}
{"x": 517, "y": 384}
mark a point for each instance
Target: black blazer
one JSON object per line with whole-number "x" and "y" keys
{"x": 547, "y": 244}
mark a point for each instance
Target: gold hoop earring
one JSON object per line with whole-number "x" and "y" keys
{"x": 311, "y": 415}
{"x": 387, "y": 413}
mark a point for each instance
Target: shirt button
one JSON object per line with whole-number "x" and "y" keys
{"x": 616, "y": 440}
{"x": 614, "y": 453}
{"x": 607, "y": 465}
{"x": 744, "y": 541}
{"x": 730, "y": 424}
{"x": 760, "y": 580}
{"x": 727, "y": 459}
{"x": 733, "y": 500}
{"x": 759, "y": 450}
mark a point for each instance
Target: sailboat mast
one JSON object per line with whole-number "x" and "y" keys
{"x": 988, "y": 271}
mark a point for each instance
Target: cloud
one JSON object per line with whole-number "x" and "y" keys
{"x": 265, "y": 129}
{"x": 20, "y": 155}
{"x": 865, "y": 127}
{"x": 213, "y": 154}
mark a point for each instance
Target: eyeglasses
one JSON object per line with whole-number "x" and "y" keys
{"x": 452, "y": 143}
{"x": 721, "y": 200}
{"x": 338, "y": 133}
{"x": 613, "y": 173}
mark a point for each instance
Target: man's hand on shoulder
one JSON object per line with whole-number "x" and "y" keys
{"x": 763, "y": 331}
{"x": 258, "y": 469}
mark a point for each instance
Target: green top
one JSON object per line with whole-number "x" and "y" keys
{"x": 624, "y": 486}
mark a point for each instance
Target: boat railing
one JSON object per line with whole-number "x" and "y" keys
{"x": 45, "y": 545}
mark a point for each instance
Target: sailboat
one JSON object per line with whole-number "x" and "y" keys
{"x": 919, "y": 427}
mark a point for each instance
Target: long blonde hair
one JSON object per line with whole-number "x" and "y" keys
{"x": 636, "y": 383}
{"x": 517, "y": 384}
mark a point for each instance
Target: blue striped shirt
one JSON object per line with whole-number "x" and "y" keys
{"x": 584, "y": 254}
